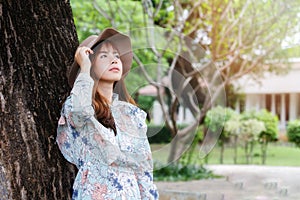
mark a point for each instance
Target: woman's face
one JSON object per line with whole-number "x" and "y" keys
{"x": 107, "y": 66}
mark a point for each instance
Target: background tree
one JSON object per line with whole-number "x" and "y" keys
{"x": 239, "y": 36}
{"x": 227, "y": 39}
{"x": 233, "y": 127}
{"x": 270, "y": 134}
{"x": 250, "y": 131}
{"x": 38, "y": 42}
{"x": 217, "y": 118}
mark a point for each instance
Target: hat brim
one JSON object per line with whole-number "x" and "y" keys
{"x": 120, "y": 41}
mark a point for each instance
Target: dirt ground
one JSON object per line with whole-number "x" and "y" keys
{"x": 239, "y": 182}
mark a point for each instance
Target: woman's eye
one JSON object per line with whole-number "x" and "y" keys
{"x": 117, "y": 55}
{"x": 103, "y": 56}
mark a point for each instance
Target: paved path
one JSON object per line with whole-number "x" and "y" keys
{"x": 240, "y": 182}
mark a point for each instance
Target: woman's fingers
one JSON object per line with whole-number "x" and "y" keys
{"x": 83, "y": 51}
{"x": 82, "y": 56}
{"x": 89, "y": 51}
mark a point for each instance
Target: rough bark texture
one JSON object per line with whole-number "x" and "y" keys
{"x": 38, "y": 41}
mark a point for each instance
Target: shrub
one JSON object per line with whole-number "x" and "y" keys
{"x": 178, "y": 172}
{"x": 158, "y": 134}
{"x": 293, "y": 132}
{"x": 271, "y": 123}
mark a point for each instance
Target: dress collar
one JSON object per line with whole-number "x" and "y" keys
{"x": 115, "y": 98}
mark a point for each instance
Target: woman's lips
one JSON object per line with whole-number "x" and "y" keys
{"x": 114, "y": 69}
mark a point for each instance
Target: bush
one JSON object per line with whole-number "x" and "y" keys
{"x": 271, "y": 123}
{"x": 145, "y": 102}
{"x": 178, "y": 172}
{"x": 293, "y": 132}
{"x": 158, "y": 134}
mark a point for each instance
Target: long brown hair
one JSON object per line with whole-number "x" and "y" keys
{"x": 100, "y": 102}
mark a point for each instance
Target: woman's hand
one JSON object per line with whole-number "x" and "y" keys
{"x": 82, "y": 58}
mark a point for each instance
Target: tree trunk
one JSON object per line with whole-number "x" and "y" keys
{"x": 38, "y": 41}
{"x": 247, "y": 152}
{"x": 174, "y": 154}
{"x": 235, "y": 149}
{"x": 180, "y": 143}
{"x": 251, "y": 151}
{"x": 264, "y": 146}
{"x": 222, "y": 149}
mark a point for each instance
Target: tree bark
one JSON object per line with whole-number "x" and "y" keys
{"x": 38, "y": 41}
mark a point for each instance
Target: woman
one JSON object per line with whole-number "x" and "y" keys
{"x": 101, "y": 130}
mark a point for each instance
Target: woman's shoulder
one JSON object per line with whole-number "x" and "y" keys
{"x": 67, "y": 105}
{"x": 130, "y": 120}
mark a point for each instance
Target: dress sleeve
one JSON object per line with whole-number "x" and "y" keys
{"x": 81, "y": 100}
{"x": 144, "y": 175}
{"x": 135, "y": 146}
{"x": 76, "y": 110}
{"x": 67, "y": 136}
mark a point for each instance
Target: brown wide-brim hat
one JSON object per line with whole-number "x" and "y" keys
{"x": 120, "y": 41}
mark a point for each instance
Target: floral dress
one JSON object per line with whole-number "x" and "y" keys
{"x": 110, "y": 167}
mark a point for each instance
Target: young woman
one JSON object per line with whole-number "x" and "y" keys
{"x": 101, "y": 130}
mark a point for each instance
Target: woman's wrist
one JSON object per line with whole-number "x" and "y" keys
{"x": 85, "y": 69}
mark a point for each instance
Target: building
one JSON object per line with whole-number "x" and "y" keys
{"x": 184, "y": 115}
{"x": 279, "y": 94}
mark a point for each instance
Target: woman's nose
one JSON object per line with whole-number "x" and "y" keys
{"x": 114, "y": 61}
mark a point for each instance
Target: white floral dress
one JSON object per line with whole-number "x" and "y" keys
{"x": 110, "y": 167}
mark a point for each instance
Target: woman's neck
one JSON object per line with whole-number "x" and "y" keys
{"x": 106, "y": 90}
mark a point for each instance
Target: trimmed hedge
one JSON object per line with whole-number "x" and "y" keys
{"x": 293, "y": 132}
{"x": 179, "y": 172}
{"x": 158, "y": 134}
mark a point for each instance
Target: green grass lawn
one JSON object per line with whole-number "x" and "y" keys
{"x": 278, "y": 154}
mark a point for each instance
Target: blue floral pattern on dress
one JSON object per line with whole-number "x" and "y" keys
{"x": 109, "y": 167}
